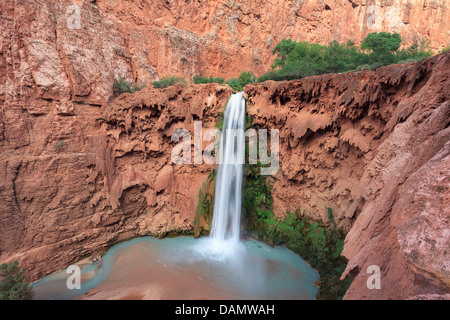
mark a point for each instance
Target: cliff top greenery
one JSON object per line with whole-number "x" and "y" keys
{"x": 295, "y": 60}
{"x": 198, "y": 79}
{"x": 298, "y": 59}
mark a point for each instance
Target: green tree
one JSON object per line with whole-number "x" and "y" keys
{"x": 342, "y": 57}
{"x": 246, "y": 78}
{"x": 383, "y": 46}
{"x": 283, "y": 49}
{"x": 382, "y": 43}
{"x": 12, "y": 285}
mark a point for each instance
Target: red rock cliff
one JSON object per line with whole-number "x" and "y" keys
{"x": 72, "y": 184}
{"x": 375, "y": 148}
{"x": 76, "y": 54}
{"x": 79, "y": 171}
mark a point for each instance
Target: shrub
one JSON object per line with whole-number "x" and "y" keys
{"x": 58, "y": 145}
{"x": 245, "y": 78}
{"x": 121, "y": 85}
{"x": 235, "y": 84}
{"x": 169, "y": 81}
{"x": 199, "y": 79}
{"x": 12, "y": 285}
{"x": 295, "y": 60}
{"x": 363, "y": 67}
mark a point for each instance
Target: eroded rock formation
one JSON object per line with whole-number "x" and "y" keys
{"x": 375, "y": 148}
{"x": 74, "y": 49}
{"x": 74, "y": 184}
{"x": 79, "y": 170}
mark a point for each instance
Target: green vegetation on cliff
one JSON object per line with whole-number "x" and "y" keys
{"x": 318, "y": 244}
{"x": 121, "y": 85}
{"x": 245, "y": 78}
{"x": 199, "y": 79}
{"x": 12, "y": 283}
{"x": 203, "y": 220}
{"x": 169, "y": 81}
{"x": 295, "y": 60}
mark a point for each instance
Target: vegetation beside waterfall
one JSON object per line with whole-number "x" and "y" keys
{"x": 319, "y": 245}
{"x": 237, "y": 84}
{"x": 204, "y": 215}
{"x": 245, "y": 78}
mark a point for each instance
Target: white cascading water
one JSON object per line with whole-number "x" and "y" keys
{"x": 228, "y": 193}
{"x": 221, "y": 264}
{"x": 224, "y": 244}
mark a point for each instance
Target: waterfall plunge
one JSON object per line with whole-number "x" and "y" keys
{"x": 220, "y": 266}
{"x": 224, "y": 241}
{"x": 228, "y": 193}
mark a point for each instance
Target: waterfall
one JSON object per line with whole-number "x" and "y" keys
{"x": 228, "y": 193}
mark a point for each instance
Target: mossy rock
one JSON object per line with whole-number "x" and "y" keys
{"x": 205, "y": 209}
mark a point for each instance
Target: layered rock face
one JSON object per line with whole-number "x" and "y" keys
{"x": 74, "y": 50}
{"x": 226, "y": 37}
{"x": 80, "y": 171}
{"x": 74, "y": 184}
{"x": 375, "y": 148}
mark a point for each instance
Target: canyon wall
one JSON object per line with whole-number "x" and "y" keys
{"x": 375, "y": 148}
{"x": 82, "y": 46}
{"x": 226, "y": 37}
{"x": 74, "y": 184}
{"x": 80, "y": 170}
